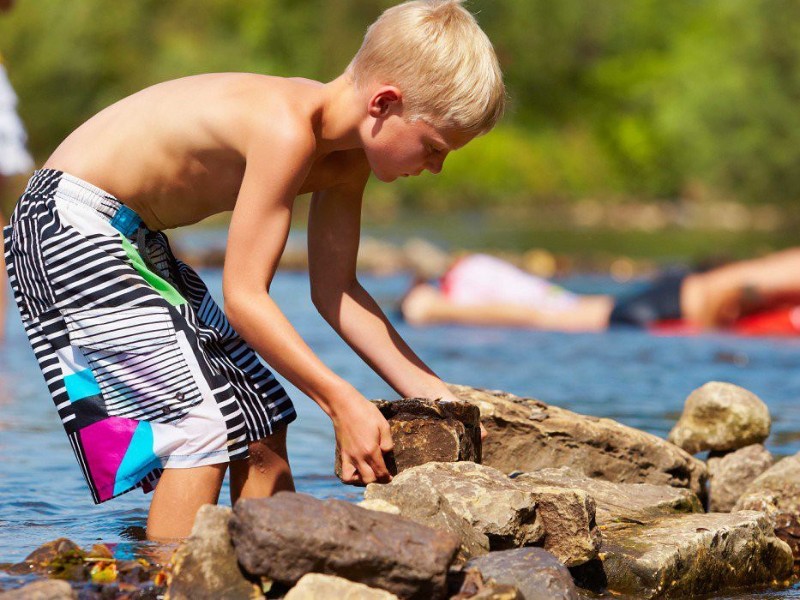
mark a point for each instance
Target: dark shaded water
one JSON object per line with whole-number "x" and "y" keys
{"x": 636, "y": 378}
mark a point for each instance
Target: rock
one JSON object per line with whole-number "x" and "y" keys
{"x": 425, "y": 505}
{"x": 685, "y": 556}
{"x": 315, "y": 587}
{"x": 536, "y": 573}
{"x": 59, "y": 555}
{"x": 289, "y": 535}
{"x": 473, "y": 587}
{"x": 619, "y": 502}
{"x": 722, "y": 417}
{"x": 50, "y": 589}
{"x": 485, "y": 498}
{"x": 731, "y": 473}
{"x": 204, "y": 566}
{"x": 381, "y": 506}
{"x": 528, "y": 435}
{"x": 428, "y": 431}
{"x": 568, "y": 518}
{"x": 776, "y": 492}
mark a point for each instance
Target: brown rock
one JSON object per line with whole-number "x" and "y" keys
{"x": 619, "y": 502}
{"x": 315, "y": 586}
{"x": 205, "y": 565}
{"x": 428, "y": 431}
{"x": 776, "y": 492}
{"x": 536, "y": 573}
{"x": 289, "y": 535}
{"x": 722, "y": 417}
{"x": 686, "y": 556}
{"x": 483, "y": 497}
{"x": 425, "y": 505}
{"x": 731, "y": 473}
{"x": 58, "y": 553}
{"x": 50, "y": 589}
{"x": 528, "y": 435}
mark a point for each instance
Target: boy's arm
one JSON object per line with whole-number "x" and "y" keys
{"x": 333, "y": 237}
{"x": 258, "y": 232}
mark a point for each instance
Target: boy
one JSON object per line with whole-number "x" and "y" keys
{"x": 149, "y": 377}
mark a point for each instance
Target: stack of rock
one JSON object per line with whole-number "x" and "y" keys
{"x": 732, "y": 424}
{"x": 554, "y": 501}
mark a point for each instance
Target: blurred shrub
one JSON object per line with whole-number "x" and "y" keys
{"x": 620, "y": 98}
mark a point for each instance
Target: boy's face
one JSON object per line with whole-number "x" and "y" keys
{"x": 396, "y": 147}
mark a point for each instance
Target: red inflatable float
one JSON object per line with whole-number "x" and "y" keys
{"x": 783, "y": 321}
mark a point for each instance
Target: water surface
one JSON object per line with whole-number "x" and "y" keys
{"x": 636, "y": 378}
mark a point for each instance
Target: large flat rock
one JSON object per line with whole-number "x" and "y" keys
{"x": 290, "y": 535}
{"x": 509, "y": 514}
{"x": 619, "y": 502}
{"x": 684, "y": 556}
{"x": 528, "y": 435}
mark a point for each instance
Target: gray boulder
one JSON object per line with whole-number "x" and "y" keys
{"x": 49, "y": 589}
{"x": 510, "y": 515}
{"x": 685, "y": 556}
{"x": 428, "y": 431}
{"x": 204, "y": 566}
{"x": 426, "y": 505}
{"x": 731, "y": 473}
{"x": 528, "y": 435}
{"x": 289, "y": 535}
{"x": 619, "y": 502}
{"x": 483, "y": 497}
{"x": 536, "y": 573}
{"x": 315, "y": 586}
{"x": 776, "y": 492}
{"x": 722, "y": 417}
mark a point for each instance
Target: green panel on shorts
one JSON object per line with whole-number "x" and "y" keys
{"x": 158, "y": 283}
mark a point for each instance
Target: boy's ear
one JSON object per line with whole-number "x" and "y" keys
{"x": 384, "y": 101}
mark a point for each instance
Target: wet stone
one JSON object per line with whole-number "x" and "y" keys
{"x": 51, "y": 589}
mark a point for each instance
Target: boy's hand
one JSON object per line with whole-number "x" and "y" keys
{"x": 362, "y": 435}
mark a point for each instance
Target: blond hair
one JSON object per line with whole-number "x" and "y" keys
{"x": 443, "y": 63}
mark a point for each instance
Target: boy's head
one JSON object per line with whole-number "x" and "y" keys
{"x": 437, "y": 55}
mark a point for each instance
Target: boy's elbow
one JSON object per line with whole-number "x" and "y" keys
{"x": 327, "y": 299}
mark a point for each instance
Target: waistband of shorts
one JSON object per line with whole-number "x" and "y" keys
{"x": 74, "y": 189}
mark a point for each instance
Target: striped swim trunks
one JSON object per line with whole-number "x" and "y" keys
{"x": 143, "y": 366}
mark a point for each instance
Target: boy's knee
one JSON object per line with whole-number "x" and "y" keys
{"x": 266, "y": 450}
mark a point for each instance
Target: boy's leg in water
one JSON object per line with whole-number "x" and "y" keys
{"x": 265, "y": 472}
{"x": 178, "y": 496}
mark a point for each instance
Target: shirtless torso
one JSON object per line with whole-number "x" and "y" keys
{"x": 176, "y": 152}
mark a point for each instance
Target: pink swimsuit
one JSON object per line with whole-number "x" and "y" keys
{"x": 481, "y": 279}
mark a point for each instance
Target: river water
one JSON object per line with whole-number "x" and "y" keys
{"x": 636, "y": 378}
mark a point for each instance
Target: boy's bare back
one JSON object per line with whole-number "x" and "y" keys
{"x": 176, "y": 152}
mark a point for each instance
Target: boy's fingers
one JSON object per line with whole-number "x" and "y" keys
{"x": 378, "y": 467}
{"x": 365, "y": 472}
{"x": 484, "y": 433}
{"x": 386, "y": 443}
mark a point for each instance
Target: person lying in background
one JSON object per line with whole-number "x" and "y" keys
{"x": 483, "y": 290}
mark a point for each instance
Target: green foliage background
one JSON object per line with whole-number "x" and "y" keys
{"x": 609, "y": 99}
